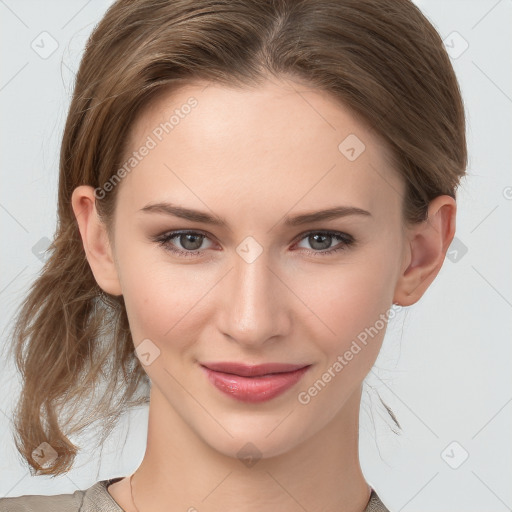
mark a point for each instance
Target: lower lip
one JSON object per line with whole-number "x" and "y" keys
{"x": 254, "y": 389}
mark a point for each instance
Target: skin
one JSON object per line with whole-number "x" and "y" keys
{"x": 253, "y": 156}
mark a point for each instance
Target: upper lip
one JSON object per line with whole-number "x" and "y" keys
{"x": 246, "y": 370}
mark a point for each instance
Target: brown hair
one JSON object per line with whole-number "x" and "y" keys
{"x": 381, "y": 58}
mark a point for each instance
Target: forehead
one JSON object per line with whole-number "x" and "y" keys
{"x": 279, "y": 144}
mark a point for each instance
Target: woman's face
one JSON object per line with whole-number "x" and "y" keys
{"x": 266, "y": 282}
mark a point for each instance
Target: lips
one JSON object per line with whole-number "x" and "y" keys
{"x": 257, "y": 370}
{"x": 256, "y": 383}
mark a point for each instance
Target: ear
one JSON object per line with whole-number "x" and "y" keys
{"x": 95, "y": 240}
{"x": 426, "y": 246}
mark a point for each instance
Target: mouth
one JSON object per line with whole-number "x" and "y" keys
{"x": 253, "y": 383}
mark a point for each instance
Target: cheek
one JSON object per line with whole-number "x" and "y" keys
{"x": 162, "y": 298}
{"x": 347, "y": 302}
{"x": 350, "y": 306}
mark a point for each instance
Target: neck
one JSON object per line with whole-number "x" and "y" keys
{"x": 182, "y": 472}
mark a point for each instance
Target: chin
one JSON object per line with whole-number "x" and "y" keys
{"x": 253, "y": 441}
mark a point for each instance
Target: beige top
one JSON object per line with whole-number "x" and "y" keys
{"x": 98, "y": 499}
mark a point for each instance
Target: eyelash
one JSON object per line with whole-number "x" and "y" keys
{"x": 165, "y": 239}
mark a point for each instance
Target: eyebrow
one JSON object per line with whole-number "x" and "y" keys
{"x": 296, "y": 220}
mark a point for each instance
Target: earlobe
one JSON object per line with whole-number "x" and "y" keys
{"x": 95, "y": 240}
{"x": 425, "y": 250}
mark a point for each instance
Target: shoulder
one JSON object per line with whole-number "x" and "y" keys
{"x": 42, "y": 503}
{"x": 98, "y": 499}
{"x": 375, "y": 504}
{"x": 94, "y": 499}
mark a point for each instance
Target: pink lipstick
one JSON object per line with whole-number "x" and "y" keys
{"x": 253, "y": 383}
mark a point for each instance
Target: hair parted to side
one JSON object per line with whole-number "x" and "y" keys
{"x": 382, "y": 59}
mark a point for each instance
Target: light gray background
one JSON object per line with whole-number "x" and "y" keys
{"x": 445, "y": 365}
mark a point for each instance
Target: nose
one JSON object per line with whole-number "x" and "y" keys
{"x": 255, "y": 303}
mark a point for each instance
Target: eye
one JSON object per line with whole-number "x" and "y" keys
{"x": 321, "y": 241}
{"x": 190, "y": 242}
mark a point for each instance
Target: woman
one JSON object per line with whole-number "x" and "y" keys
{"x": 246, "y": 188}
